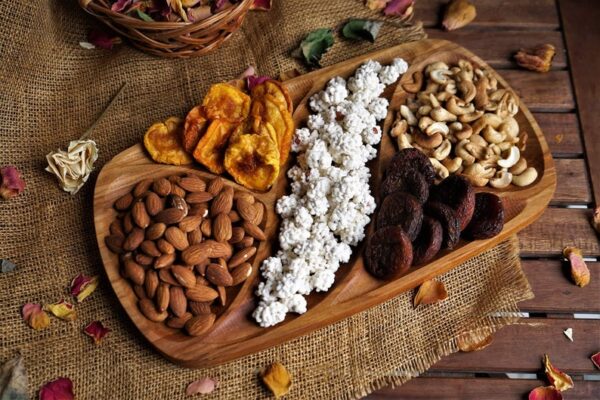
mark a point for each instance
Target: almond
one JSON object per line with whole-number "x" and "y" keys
{"x": 201, "y": 293}
{"x": 124, "y": 202}
{"x": 149, "y": 310}
{"x": 260, "y": 212}
{"x": 234, "y": 216}
{"x": 241, "y": 194}
{"x": 192, "y": 184}
{"x": 200, "y": 209}
{"x": 116, "y": 228}
{"x": 241, "y": 273}
{"x": 206, "y": 227}
{"x": 177, "y": 301}
{"x": 170, "y": 216}
{"x": 127, "y": 223}
{"x": 151, "y": 283}
{"x": 164, "y": 261}
{"x": 190, "y": 223}
{"x": 242, "y": 256}
{"x": 198, "y": 197}
{"x": 201, "y": 267}
{"x": 215, "y": 186}
{"x": 174, "y": 179}
{"x": 177, "y": 238}
{"x": 162, "y": 297}
{"x": 134, "y": 239}
{"x": 179, "y": 203}
{"x": 200, "y": 324}
{"x": 166, "y": 276}
{"x": 141, "y": 188}
{"x": 178, "y": 322}
{"x": 199, "y": 308}
{"x": 165, "y": 247}
{"x": 247, "y": 241}
{"x": 254, "y": 231}
{"x": 246, "y": 210}
{"x": 139, "y": 292}
{"x": 149, "y": 248}
{"x": 237, "y": 234}
{"x": 222, "y": 262}
{"x": 195, "y": 236}
{"x": 184, "y": 276}
{"x": 177, "y": 190}
{"x": 155, "y": 231}
{"x": 143, "y": 259}
{"x": 221, "y": 228}
{"x": 134, "y": 271}
{"x": 162, "y": 187}
{"x": 154, "y": 204}
{"x": 200, "y": 280}
{"x": 218, "y": 275}
{"x": 222, "y": 295}
{"x": 222, "y": 202}
{"x": 115, "y": 243}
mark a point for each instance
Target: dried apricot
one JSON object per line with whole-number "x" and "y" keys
{"x": 226, "y": 102}
{"x": 275, "y": 89}
{"x": 163, "y": 142}
{"x": 429, "y": 241}
{"x": 408, "y": 181}
{"x": 457, "y": 192}
{"x": 389, "y": 253}
{"x": 269, "y": 110}
{"x": 195, "y": 125}
{"x": 447, "y": 217}
{"x": 488, "y": 218}
{"x": 210, "y": 150}
{"x": 401, "y": 209}
{"x": 412, "y": 159}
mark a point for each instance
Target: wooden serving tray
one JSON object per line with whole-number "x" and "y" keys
{"x": 235, "y": 334}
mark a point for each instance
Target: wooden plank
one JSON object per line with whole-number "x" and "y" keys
{"x": 498, "y": 49}
{"x": 558, "y": 228}
{"x": 573, "y": 183}
{"x": 519, "y": 348}
{"x": 562, "y": 133}
{"x": 477, "y": 389}
{"x": 556, "y": 293}
{"x": 547, "y": 92}
{"x": 582, "y": 34}
{"x": 531, "y": 14}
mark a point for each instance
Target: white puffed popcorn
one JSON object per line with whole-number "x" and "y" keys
{"x": 330, "y": 203}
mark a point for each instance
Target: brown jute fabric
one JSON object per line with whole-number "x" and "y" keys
{"x": 51, "y": 90}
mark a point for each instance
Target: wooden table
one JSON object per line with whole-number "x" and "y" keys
{"x": 564, "y": 102}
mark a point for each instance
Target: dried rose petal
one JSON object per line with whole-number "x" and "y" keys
{"x": 82, "y": 286}
{"x": 120, "y": 5}
{"x": 262, "y": 5}
{"x": 400, "y": 8}
{"x": 11, "y": 183}
{"x": 277, "y": 379}
{"x": 96, "y": 331}
{"x": 201, "y": 386}
{"x": 545, "y": 393}
{"x": 596, "y": 219}
{"x": 35, "y": 316}
{"x": 376, "y": 4}
{"x": 579, "y": 270}
{"x": 254, "y": 80}
{"x": 103, "y": 39}
{"x": 59, "y": 389}
{"x": 195, "y": 14}
{"x": 557, "y": 378}
{"x": 63, "y": 310}
{"x": 430, "y": 292}
{"x": 596, "y": 359}
{"x": 468, "y": 342}
{"x": 220, "y": 5}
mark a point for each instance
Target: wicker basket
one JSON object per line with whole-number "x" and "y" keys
{"x": 172, "y": 39}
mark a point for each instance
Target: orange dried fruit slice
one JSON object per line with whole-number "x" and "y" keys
{"x": 227, "y": 102}
{"x": 210, "y": 150}
{"x": 275, "y": 89}
{"x": 195, "y": 125}
{"x": 163, "y": 142}
{"x": 270, "y": 110}
{"x": 252, "y": 159}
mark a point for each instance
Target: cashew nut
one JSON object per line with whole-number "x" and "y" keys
{"x": 511, "y": 159}
{"x": 437, "y": 127}
{"x": 428, "y": 142}
{"x": 478, "y": 175}
{"x": 497, "y": 94}
{"x": 519, "y": 167}
{"x": 450, "y": 86}
{"x": 440, "y": 114}
{"x": 457, "y": 109}
{"x": 493, "y": 136}
{"x": 501, "y": 180}
{"x": 400, "y": 127}
{"x": 504, "y": 146}
{"x": 415, "y": 85}
{"x": 431, "y": 87}
{"x": 486, "y": 119}
{"x": 443, "y": 96}
{"x": 462, "y": 152}
{"x": 436, "y": 65}
{"x": 496, "y": 149}
{"x": 509, "y": 127}
{"x": 424, "y": 110}
{"x": 408, "y": 115}
{"x": 404, "y": 141}
{"x": 424, "y": 122}
{"x": 523, "y": 141}
{"x": 481, "y": 97}
{"x": 468, "y": 90}
{"x": 433, "y": 100}
{"x": 442, "y": 151}
{"x": 478, "y": 140}
{"x": 470, "y": 117}
{"x": 452, "y": 164}
{"x": 478, "y": 151}
{"x": 466, "y": 70}
{"x": 526, "y": 178}
{"x": 440, "y": 171}
{"x": 464, "y": 133}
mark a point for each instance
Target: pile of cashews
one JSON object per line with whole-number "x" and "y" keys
{"x": 465, "y": 124}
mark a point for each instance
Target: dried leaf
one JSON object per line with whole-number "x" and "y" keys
{"x": 468, "y": 343}
{"x": 579, "y": 270}
{"x": 569, "y": 333}
{"x": 430, "y": 292}
{"x": 261, "y": 5}
{"x": 103, "y": 39}
{"x": 361, "y": 29}
{"x": 201, "y": 386}
{"x": 7, "y": 266}
{"x": 458, "y": 14}
{"x": 82, "y": 286}
{"x": 145, "y": 17}
{"x": 11, "y": 182}
{"x": 35, "y": 316}
{"x": 13, "y": 380}
{"x": 96, "y": 331}
{"x": 545, "y": 393}
{"x": 596, "y": 359}
{"x": 557, "y": 378}
{"x": 376, "y": 4}
{"x": 277, "y": 379}
{"x": 58, "y": 389}
{"x": 314, "y": 46}
{"x": 63, "y": 310}
{"x": 400, "y": 8}
{"x": 596, "y": 219}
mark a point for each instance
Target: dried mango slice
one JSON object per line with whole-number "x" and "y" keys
{"x": 210, "y": 150}
{"x": 194, "y": 128}
{"x": 163, "y": 142}
{"x": 253, "y": 160}
{"x": 275, "y": 89}
{"x": 227, "y": 102}
{"x": 269, "y": 109}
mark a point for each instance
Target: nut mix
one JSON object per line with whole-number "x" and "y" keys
{"x": 181, "y": 249}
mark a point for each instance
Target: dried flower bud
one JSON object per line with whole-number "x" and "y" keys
{"x": 545, "y": 393}
{"x": 557, "y": 378}
{"x": 400, "y": 8}
{"x": 459, "y": 13}
{"x": 96, "y": 331}
{"x": 63, "y": 310}
{"x": 35, "y": 317}
{"x": 72, "y": 168}
{"x": 537, "y": 59}
{"x": 82, "y": 286}
{"x": 59, "y": 389}
{"x": 11, "y": 183}
{"x": 579, "y": 270}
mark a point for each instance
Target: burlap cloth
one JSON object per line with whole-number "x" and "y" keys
{"x": 51, "y": 90}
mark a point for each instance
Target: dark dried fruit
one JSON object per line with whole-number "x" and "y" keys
{"x": 403, "y": 210}
{"x": 412, "y": 159}
{"x": 488, "y": 218}
{"x": 389, "y": 253}
{"x": 457, "y": 192}
{"x": 429, "y": 241}
{"x": 447, "y": 217}
{"x": 408, "y": 181}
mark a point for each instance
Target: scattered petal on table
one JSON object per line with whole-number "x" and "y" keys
{"x": 277, "y": 379}
{"x": 13, "y": 380}
{"x": 201, "y": 386}
{"x": 59, "y": 389}
{"x": 35, "y": 316}
{"x": 579, "y": 270}
{"x": 569, "y": 333}
{"x": 557, "y": 378}
{"x": 7, "y": 266}
{"x": 430, "y": 292}
{"x": 11, "y": 182}
{"x": 82, "y": 286}
{"x": 97, "y": 331}
{"x": 262, "y": 5}
{"x": 63, "y": 310}
{"x": 596, "y": 359}
{"x": 545, "y": 393}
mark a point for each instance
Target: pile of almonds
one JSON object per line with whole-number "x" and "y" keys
{"x": 182, "y": 241}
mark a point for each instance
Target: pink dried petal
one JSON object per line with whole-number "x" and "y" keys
{"x": 545, "y": 393}
{"x": 12, "y": 184}
{"x": 103, "y": 39}
{"x": 399, "y": 8}
{"x": 29, "y": 309}
{"x": 262, "y": 5}
{"x": 63, "y": 310}
{"x": 596, "y": 359}
{"x": 82, "y": 286}
{"x": 199, "y": 13}
{"x": 254, "y": 80}
{"x": 201, "y": 386}
{"x": 220, "y": 5}
{"x": 120, "y": 5}
{"x": 250, "y": 71}
{"x": 59, "y": 389}
{"x": 96, "y": 331}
